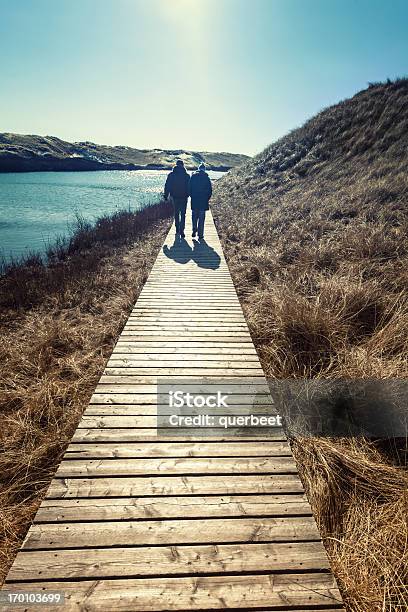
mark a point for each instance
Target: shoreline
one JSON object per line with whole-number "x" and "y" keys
{"x": 224, "y": 169}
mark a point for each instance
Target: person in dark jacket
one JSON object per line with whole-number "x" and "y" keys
{"x": 200, "y": 192}
{"x": 177, "y": 186}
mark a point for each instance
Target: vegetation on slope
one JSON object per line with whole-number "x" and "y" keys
{"x": 59, "y": 323}
{"x": 23, "y": 153}
{"x": 315, "y": 233}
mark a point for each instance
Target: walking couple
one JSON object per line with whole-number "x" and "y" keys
{"x": 180, "y": 186}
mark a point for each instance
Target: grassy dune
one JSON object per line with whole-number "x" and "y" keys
{"x": 315, "y": 233}
{"x": 59, "y": 323}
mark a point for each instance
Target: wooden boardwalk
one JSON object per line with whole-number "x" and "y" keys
{"x": 138, "y": 521}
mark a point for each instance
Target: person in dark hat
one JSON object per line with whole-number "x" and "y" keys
{"x": 177, "y": 186}
{"x": 200, "y": 192}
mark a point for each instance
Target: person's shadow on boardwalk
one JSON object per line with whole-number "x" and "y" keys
{"x": 203, "y": 255}
{"x": 180, "y": 251}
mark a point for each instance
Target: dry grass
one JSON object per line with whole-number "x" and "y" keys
{"x": 315, "y": 232}
{"x": 361, "y": 505}
{"x": 56, "y": 338}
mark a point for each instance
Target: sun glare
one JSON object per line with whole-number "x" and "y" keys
{"x": 177, "y": 9}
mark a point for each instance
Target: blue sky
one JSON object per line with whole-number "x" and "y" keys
{"x": 229, "y": 75}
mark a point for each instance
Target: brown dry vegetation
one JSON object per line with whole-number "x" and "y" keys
{"x": 315, "y": 233}
{"x": 58, "y": 327}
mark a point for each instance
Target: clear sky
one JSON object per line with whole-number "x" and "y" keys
{"x": 216, "y": 75}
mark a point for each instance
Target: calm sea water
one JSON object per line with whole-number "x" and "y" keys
{"x": 35, "y": 207}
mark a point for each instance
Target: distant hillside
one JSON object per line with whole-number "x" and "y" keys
{"x": 28, "y": 153}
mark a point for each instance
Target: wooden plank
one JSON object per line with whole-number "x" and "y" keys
{"x": 49, "y": 536}
{"x": 152, "y": 435}
{"x": 188, "y": 312}
{"x": 148, "y": 302}
{"x": 226, "y": 337}
{"x": 133, "y": 508}
{"x": 290, "y": 591}
{"x": 154, "y": 351}
{"x": 129, "y": 379}
{"x": 174, "y": 485}
{"x": 161, "y": 308}
{"x": 181, "y": 327}
{"x": 199, "y": 320}
{"x": 189, "y": 284}
{"x": 207, "y": 297}
{"x": 152, "y": 410}
{"x": 73, "y": 468}
{"x": 179, "y": 449}
{"x": 158, "y": 360}
{"x": 253, "y": 393}
{"x": 211, "y": 295}
{"x": 116, "y": 362}
{"x": 181, "y": 292}
{"x": 201, "y": 323}
{"x": 146, "y": 373}
{"x": 190, "y": 345}
{"x": 194, "y": 335}
{"x": 123, "y": 421}
{"x": 109, "y": 394}
{"x": 170, "y": 560}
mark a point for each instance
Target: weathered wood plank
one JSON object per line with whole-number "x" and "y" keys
{"x": 179, "y": 449}
{"x": 152, "y": 410}
{"x": 132, "y": 508}
{"x": 152, "y": 435}
{"x": 119, "y": 359}
{"x": 163, "y": 532}
{"x": 189, "y": 345}
{"x": 253, "y": 392}
{"x": 72, "y": 468}
{"x": 225, "y": 338}
{"x": 127, "y": 367}
{"x": 290, "y": 591}
{"x": 128, "y": 374}
{"x": 174, "y": 485}
{"x": 219, "y": 291}
{"x": 195, "y": 335}
{"x": 156, "y": 560}
{"x": 135, "y": 350}
{"x": 132, "y": 379}
{"x": 161, "y": 308}
{"x": 109, "y": 394}
{"x": 147, "y": 422}
{"x": 197, "y": 327}
{"x": 201, "y": 316}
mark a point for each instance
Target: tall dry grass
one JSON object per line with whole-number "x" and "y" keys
{"x": 315, "y": 233}
{"x": 58, "y": 324}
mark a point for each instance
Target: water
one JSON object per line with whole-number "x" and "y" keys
{"x": 35, "y": 207}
